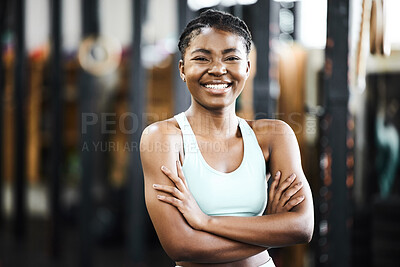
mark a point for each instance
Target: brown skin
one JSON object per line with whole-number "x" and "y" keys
{"x": 195, "y": 237}
{"x": 206, "y": 59}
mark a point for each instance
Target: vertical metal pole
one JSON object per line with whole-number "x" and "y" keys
{"x": 20, "y": 122}
{"x": 87, "y": 89}
{"x": 57, "y": 112}
{"x": 3, "y": 10}
{"x": 261, "y": 93}
{"x": 335, "y": 222}
{"x": 87, "y": 170}
{"x": 90, "y": 17}
{"x": 135, "y": 196}
{"x": 181, "y": 93}
{"x": 238, "y": 11}
{"x": 295, "y": 11}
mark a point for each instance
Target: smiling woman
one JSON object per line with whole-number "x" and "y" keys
{"x": 208, "y": 205}
{"x": 222, "y": 56}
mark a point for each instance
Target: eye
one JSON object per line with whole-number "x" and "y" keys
{"x": 200, "y": 59}
{"x": 232, "y": 58}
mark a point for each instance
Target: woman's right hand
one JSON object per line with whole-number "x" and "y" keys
{"x": 280, "y": 196}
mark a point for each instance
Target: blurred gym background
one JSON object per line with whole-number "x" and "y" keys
{"x": 80, "y": 79}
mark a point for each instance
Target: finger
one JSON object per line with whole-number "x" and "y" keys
{"x": 180, "y": 172}
{"x": 272, "y": 205}
{"x": 170, "y": 200}
{"x": 290, "y": 192}
{"x": 274, "y": 185}
{"x": 268, "y": 176}
{"x": 169, "y": 189}
{"x": 294, "y": 202}
{"x": 174, "y": 178}
{"x": 283, "y": 186}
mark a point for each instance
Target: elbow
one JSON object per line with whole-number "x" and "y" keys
{"x": 187, "y": 252}
{"x": 309, "y": 236}
{"x": 303, "y": 232}
{"x": 180, "y": 250}
{"x": 184, "y": 248}
{"x": 306, "y": 236}
{"x": 176, "y": 252}
{"x": 301, "y": 236}
{"x": 307, "y": 232}
{"x": 310, "y": 232}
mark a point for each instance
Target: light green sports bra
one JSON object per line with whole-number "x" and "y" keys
{"x": 242, "y": 192}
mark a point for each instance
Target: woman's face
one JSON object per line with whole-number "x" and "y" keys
{"x": 215, "y": 67}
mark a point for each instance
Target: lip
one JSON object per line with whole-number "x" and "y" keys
{"x": 216, "y": 82}
{"x": 217, "y": 91}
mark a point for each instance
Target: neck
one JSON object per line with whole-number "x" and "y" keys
{"x": 219, "y": 123}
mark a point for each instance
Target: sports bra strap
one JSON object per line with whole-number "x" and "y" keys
{"x": 189, "y": 141}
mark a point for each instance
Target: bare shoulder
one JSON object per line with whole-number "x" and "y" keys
{"x": 167, "y": 128}
{"x": 270, "y": 131}
{"x": 270, "y": 127}
{"x": 161, "y": 144}
{"x": 162, "y": 134}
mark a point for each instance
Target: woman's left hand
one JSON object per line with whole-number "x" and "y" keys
{"x": 182, "y": 198}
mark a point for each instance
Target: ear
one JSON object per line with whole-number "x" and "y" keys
{"x": 182, "y": 70}
{"x": 248, "y": 68}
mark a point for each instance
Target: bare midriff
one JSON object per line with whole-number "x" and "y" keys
{"x": 252, "y": 261}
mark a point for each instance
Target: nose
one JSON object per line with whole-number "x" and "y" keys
{"x": 217, "y": 69}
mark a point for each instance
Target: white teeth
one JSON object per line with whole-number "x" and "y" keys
{"x": 216, "y": 86}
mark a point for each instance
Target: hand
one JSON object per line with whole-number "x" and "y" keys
{"x": 181, "y": 198}
{"x": 280, "y": 195}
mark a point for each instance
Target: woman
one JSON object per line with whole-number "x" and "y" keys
{"x": 209, "y": 211}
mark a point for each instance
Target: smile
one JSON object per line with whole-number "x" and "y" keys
{"x": 217, "y": 88}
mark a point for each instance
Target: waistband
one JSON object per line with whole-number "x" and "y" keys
{"x": 269, "y": 263}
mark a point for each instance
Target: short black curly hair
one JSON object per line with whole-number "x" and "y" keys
{"x": 214, "y": 19}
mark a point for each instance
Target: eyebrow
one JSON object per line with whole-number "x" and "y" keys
{"x": 201, "y": 50}
{"x": 205, "y": 51}
{"x": 229, "y": 50}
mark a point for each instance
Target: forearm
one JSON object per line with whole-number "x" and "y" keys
{"x": 180, "y": 241}
{"x": 268, "y": 231}
{"x": 203, "y": 247}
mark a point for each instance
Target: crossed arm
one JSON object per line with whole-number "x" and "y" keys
{"x": 180, "y": 241}
{"x": 187, "y": 234}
